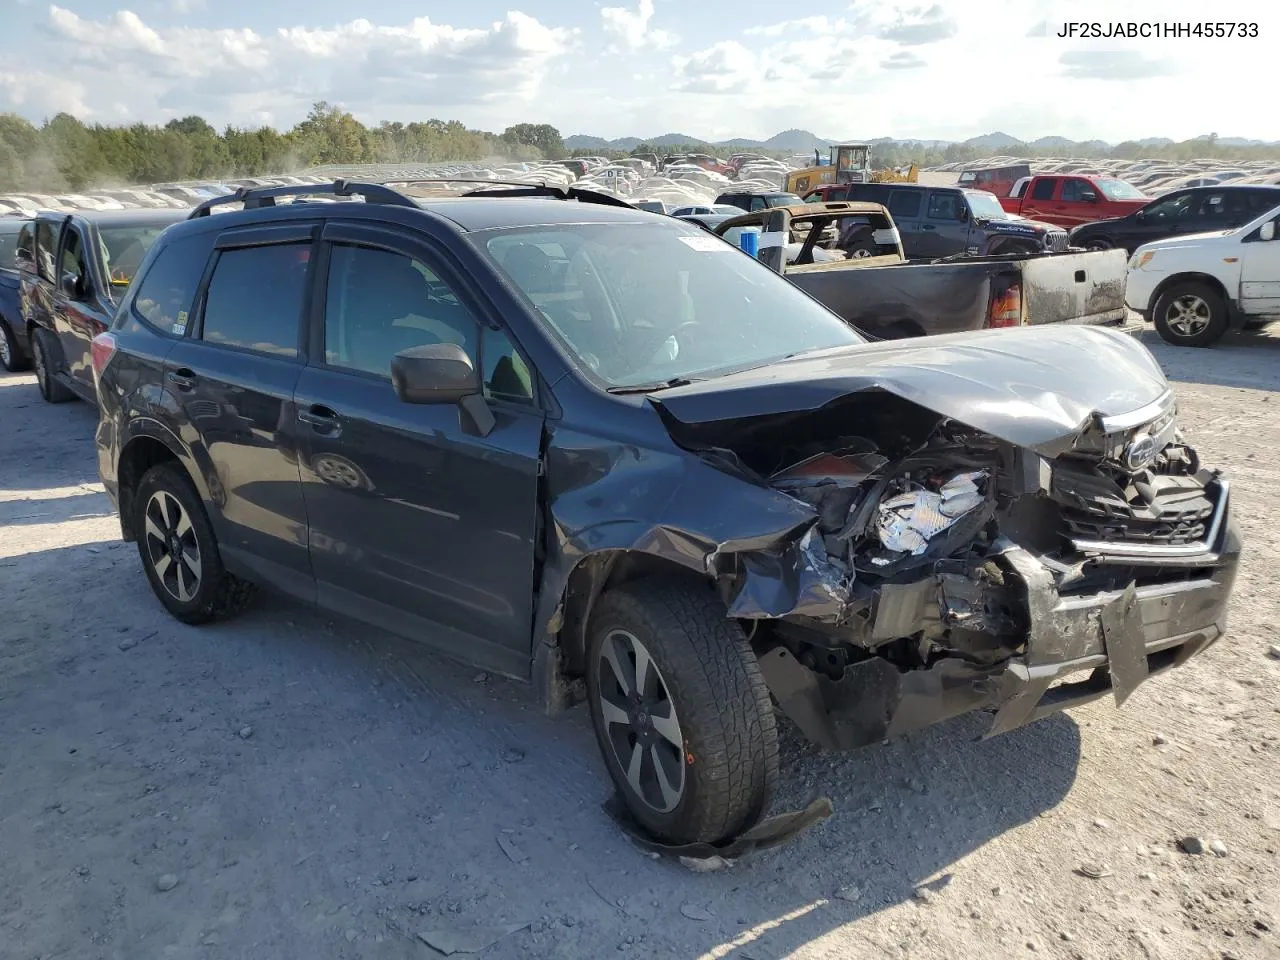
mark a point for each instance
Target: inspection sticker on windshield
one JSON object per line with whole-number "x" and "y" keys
{"x": 707, "y": 244}
{"x": 181, "y": 326}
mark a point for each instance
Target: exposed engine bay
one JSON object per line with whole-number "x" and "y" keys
{"x": 939, "y": 549}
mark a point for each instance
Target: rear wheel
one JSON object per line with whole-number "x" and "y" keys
{"x": 42, "y": 354}
{"x": 179, "y": 551}
{"x": 1098, "y": 244}
{"x": 1190, "y": 315}
{"x": 681, "y": 711}
{"x": 861, "y": 246}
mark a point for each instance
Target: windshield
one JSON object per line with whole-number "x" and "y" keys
{"x": 640, "y": 304}
{"x": 985, "y": 206}
{"x": 782, "y": 200}
{"x": 123, "y": 248}
{"x": 1119, "y": 190}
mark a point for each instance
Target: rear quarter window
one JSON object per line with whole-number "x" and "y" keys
{"x": 255, "y": 298}
{"x": 167, "y": 290}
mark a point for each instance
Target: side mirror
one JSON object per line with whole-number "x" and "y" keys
{"x": 1089, "y": 197}
{"x": 435, "y": 373}
{"x": 443, "y": 373}
{"x": 70, "y": 286}
{"x": 1267, "y": 231}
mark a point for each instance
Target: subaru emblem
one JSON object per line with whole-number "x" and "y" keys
{"x": 1140, "y": 452}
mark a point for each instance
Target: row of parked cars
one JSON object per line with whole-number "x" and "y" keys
{"x": 609, "y": 453}
{"x": 1195, "y": 261}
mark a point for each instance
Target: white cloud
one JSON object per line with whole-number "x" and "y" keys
{"x": 236, "y": 74}
{"x": 902, "y": 68}
{"x": 630, "y": 28}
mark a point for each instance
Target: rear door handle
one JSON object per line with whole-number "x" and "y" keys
{"x": 928, "y": 226}
{"x": 183, "y": 379}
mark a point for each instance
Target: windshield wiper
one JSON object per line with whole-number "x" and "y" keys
{"x": 651, "y": 387}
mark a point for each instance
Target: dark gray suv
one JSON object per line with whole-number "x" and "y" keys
{"x": 603, "y": 451}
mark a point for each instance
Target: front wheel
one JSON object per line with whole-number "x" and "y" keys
{"x": 179, "y": 551}
{"x": 11, "y": 357}
{"x": 1190, "y": 314}
{"x": 1098, "y": 244}
{"x": 681, "y": 711}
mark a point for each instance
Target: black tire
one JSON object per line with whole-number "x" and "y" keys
{"x": 1098, "y": 243}
{"x": 1190, "y": 314}
{"x": 11, "y": 357}
{"x": 216, "y": 593}
{"x": 861, "y": 245}
{"x": 42, "y": 348}
{"x": 728, "y": 755}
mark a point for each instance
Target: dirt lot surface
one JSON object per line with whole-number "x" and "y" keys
{"x": 285, "y": 786}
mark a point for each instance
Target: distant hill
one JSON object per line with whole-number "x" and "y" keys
{"x": 804, "y": 141}
{"x": 993, "y": 141}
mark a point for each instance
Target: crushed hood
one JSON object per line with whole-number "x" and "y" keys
{"x": 1036, "y": 387}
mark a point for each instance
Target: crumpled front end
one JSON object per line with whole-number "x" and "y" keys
{"x": 946, "y": 570}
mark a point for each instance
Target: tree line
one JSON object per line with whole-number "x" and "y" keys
{"x": 903, "y": 153}
{"x": 65, "y": 154}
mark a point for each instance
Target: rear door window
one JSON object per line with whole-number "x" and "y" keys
{"x": 255, "y": 298}
{"x": 1043, "y": 190}
{"x": 904, "y": 204}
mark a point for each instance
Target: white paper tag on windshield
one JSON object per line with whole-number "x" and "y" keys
{"x": 707, "y": 244}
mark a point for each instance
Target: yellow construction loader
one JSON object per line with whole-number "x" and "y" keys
{"x": 909, "y": 174}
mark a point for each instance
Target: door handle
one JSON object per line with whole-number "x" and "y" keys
{"x": 183, "y": 379}
{"x": 928, "y": 226}
{"x": 320, "y": 417}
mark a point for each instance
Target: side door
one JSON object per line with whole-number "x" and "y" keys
{"x": 1167, "y": 217}
{"x": 1079, "y": 202}
{"x": 79, "y": 314}
{"x": 1260, "y": 273}
{"x": 233, "y": 377}
{"x": 944, "y": 230}
{"x": 420, "y": 520}
{"x": 905, "y": 206}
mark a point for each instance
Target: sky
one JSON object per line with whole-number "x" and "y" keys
{"x": 713, "y": 69}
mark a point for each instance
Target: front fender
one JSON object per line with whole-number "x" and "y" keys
{"x": 608, "y": 499}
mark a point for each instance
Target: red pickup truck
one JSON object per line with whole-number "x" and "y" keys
{"x": 1067, "y": 200}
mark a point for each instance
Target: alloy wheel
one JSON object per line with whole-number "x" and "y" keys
{"x": 172, "y": 546}
{"x": 6, "y": 347}
{"x": 1188, "y": 315}
{"x": 640, "y": 722}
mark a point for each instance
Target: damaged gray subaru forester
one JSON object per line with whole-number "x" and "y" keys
{"x": 603, "y": 451}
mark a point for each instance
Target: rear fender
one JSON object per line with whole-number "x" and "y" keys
{"x": 138, "y": 433}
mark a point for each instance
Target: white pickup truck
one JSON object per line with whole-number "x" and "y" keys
{"x": 1195, "y": 288}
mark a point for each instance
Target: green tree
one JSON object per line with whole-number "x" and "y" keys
{"x": 542, "y": 137}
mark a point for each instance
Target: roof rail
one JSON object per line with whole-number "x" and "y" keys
{"x": 256, "y": 197}
{"x": 514, "y": 188}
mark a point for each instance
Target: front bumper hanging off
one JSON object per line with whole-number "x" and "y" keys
{"x": 1110, "y": 642}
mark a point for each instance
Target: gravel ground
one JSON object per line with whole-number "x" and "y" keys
{"x": 286, "y": 786}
